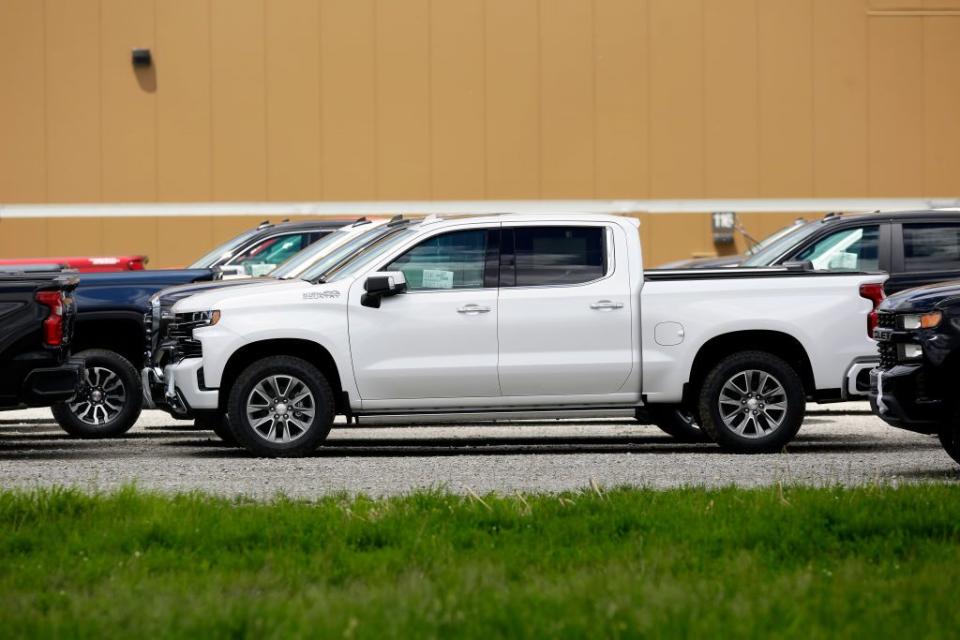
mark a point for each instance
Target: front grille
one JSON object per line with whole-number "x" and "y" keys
{"x": 886, "y": 320}
{"x": 888, "y": 355}
{"x": 888, "y": 350}
{"x": 170, "y": 335}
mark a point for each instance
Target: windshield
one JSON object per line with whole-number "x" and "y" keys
{"x": 210, "y": 259}
{"x": 773, "y": 237}
{"x": 304, "y": 258}
{"x": 348, "y": 265}
{"x": 766, "y": 256}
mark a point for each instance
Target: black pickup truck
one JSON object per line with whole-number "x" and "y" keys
{"x": 915, "y": 385}
{"x": 37, "y": 314}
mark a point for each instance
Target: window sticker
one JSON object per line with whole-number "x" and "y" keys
{"x": 437, "y": 279}
{"x": 257, "y": 270}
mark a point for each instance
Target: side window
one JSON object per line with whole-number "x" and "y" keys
{"x": 264, "y": 256}
{"x": 559, "y": 255}
{"x": 454, "y": 260}
{"x": 931, "y": 247}
{"x": 854, "y": 249}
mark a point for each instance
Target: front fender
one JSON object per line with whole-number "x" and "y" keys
{"x": 325, "y": 326}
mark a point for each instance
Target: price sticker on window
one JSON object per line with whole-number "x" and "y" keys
{"x": 437, "y": 279}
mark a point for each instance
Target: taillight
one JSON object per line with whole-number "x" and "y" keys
{"x": 874, "y": 293}
{"x": 53, "y": 324}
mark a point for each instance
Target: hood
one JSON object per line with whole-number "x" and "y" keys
{"x": 926, "y": 298}
{"x": 263, "y": 292}
{"x": 172, "y": 294}
{"x": 152, "y": 277}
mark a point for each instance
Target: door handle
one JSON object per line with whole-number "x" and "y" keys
{"x": 606, "y": 305}
{"x": 473, "y": 309}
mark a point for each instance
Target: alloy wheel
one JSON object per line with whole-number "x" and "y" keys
{"x": 101, "y": 397}
{"x": 753, "y": 403}
{"x": 280, "y": 408}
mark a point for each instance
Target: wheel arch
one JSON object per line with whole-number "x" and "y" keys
{"x": 776, "y": 343}
{"x": 313, "y": 352}
{"x": 122, "y": 334}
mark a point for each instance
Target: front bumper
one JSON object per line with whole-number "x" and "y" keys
{"x": 178, "y": 389}
{"x": 48, "y": 385}
{"x": 896, "y": 397}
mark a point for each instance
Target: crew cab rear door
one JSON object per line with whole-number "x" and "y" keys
{"x": 565, "y": 309}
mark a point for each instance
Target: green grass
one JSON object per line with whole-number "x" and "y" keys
{"x": 876, "y": 562}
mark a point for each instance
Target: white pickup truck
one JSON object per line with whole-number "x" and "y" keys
{"x": 513, "y": 316}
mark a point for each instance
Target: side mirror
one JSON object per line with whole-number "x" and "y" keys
{"x": 380, "y": 285}
{"x": 798, "y": 265}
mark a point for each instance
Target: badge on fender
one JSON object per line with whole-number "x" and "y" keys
{"x": 321, "y": 295}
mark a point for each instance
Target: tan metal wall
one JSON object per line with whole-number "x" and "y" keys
{"x": 458, "y": 99}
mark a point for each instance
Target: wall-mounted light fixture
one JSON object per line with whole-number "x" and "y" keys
{"x": 141, "y": 58}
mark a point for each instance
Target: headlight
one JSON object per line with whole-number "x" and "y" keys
{"x": 910, "y": 351}
{"x": 206, "y": 318}
{"x": 922, "y": 320}
{"x": 197, "y": 319}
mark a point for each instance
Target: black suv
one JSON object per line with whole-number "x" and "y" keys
{"x": 36, "y": 323}
{"x": 918, "y": 333}
{"x": 914, "y": 247}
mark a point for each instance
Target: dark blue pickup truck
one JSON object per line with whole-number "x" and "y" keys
{"x": 109, "y": 333}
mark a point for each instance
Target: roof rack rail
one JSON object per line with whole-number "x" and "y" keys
{"x": 831, "y": 215}
{"x": 264, "y": 224}
{"x": 360, "y": 221}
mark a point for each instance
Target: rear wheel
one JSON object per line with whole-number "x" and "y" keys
{"x": 109, "y": 400}
{"x": 752, "y": 402}
{"x": 281, "y": 406}
{"x": 678, "y": 421}
{"x": 216, "y": 422}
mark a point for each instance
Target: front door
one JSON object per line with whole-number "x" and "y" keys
{"x": 439, "y": 339}
{"x": 565, "y": 311}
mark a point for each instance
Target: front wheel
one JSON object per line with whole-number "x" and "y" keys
{"x": 281, "y": 406}
{"x": 752, "y": 402}
{"x": 109, "y": 400}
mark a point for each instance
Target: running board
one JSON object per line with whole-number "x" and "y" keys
{"x": 493, "y": 416}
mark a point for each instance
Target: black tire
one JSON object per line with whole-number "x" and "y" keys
{"x": 950, "y": 439}
{"x": 217, "y": 422}
{"x": 86, "y": 417}
{"x": 764, "y": 429}
{"x": 677, "y": 421}
{"x": 303, "y": 440}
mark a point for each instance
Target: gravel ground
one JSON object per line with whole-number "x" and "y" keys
{"x": 839, "y": 444}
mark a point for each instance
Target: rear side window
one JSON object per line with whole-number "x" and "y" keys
{"x": 545, "y": 256}
{"x": 931, "y": 247}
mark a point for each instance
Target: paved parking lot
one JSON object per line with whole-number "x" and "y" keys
{"x": 838, "y": 444}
